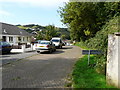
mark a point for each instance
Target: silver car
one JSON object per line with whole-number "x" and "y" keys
{"x": 45, "y": 46}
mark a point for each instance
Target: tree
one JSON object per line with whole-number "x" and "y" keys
{"x": 84, "y": 19}
{"x": 40, "y": 36}
{"x": 50, "y": 31}
{"x": 78, "y": 17}
{"x": 112, "y": 9}
{"x": 63, "y": 37}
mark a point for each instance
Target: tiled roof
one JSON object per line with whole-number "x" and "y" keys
{"x": 9, "y": 29}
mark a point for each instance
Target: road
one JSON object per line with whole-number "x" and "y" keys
{"x": 41, "y": 70}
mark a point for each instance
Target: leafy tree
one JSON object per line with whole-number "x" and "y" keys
{"x": 112, "y": 9}
{"x": 63, "y": 37}
{"x": 40, "y": 36}
{"x": 79, "y": 17}
{"x": 50, "y": 31}
{"x": 63, "y": 31}
{"x": 46, "y": 32}
{"x": 84, "y": 19}
{"x": 91, "y": 23}
{"x": 100, "y": 41}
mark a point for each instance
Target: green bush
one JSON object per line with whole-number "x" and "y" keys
{"x": 100, "y": 42}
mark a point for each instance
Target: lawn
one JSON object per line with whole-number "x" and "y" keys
{"x": 85, "y": 76}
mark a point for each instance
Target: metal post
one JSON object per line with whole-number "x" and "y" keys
{"x": 89, "y": 57}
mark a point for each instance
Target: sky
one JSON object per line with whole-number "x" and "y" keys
{"x": 41, "y": 12}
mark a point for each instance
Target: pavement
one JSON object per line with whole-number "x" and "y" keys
{"x": 41, "y": 70}
{"x": 8, "y": 58}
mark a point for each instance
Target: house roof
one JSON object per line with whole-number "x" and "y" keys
{"x": 8, "y": 29}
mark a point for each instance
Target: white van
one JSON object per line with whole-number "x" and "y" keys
{"x": 57, "y": 41}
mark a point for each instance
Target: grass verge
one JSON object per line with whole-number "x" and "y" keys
{"x": 85, "y": 76}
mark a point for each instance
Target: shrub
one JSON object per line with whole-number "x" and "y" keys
{"x": 100, "y": 41}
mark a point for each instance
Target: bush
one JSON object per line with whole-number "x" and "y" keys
{"x": 100, "y": 42}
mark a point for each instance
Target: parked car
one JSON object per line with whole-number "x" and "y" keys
{"x": 45, "y": 46}
{"x": 57, "y": 41}
{"x": 5, "y": 47}
{"x": 63, "y": 43}
{"x": 68, "y": 44}
{"x": 36, "y": 42}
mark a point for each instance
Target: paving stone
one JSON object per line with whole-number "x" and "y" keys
{"x": 41, "y": 71}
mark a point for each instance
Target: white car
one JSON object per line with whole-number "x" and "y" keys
{"x": 68, "y": 44}
{"x": 57, "y": 41}
{"x": 45, "y": 46}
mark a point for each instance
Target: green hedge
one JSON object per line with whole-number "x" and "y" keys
{"x": 100, "y": 42}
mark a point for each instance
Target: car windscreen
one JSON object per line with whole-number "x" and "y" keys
{"x": 0, "y": 43}
{"x": 54, "y": 40}
{"x": 35, "y": 42}
{"x": 39, "y": 41}
{"x": 44, "y": 43}
{"x": 4, "y": 43}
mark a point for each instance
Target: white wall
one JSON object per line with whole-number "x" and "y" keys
{"x": 113, "y": 61}
{"x": 15, "y": 39}
{"x": 23, "y": 49}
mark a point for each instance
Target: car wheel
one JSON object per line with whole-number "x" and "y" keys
{"x": 8, "y": 52}
{"x": 58, "y": 47}
{"x": 50, "y": 51}
{"x": 53, "y": 50}
{"x": 38, "y": 52}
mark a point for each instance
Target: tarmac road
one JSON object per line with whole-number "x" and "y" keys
{"x": 41, "y": 70}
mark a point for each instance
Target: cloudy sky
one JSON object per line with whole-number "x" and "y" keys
{"x": 42, "y": 12}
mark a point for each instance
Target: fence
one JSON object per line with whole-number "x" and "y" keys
{"x": 16, "y": 47}
{"x": 22, "y": 48}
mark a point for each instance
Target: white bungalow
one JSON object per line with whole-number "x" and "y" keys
{"x": 14, "y": 35}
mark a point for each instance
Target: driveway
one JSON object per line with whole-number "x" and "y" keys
{"x": 41, "y": 70}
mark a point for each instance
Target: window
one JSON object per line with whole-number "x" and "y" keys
{"x": 19, "y": 38}
{"x": 10, "y": 39}
{"x": 44, "y": 43}
{"x": 23, "y": 39}
{"x": 60, "y": 41}
{"x": 0, "y": 43}
{"x": 5, "y": 43}
{"x": 55, "y": 40}
{"x": 27, "y": 39}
